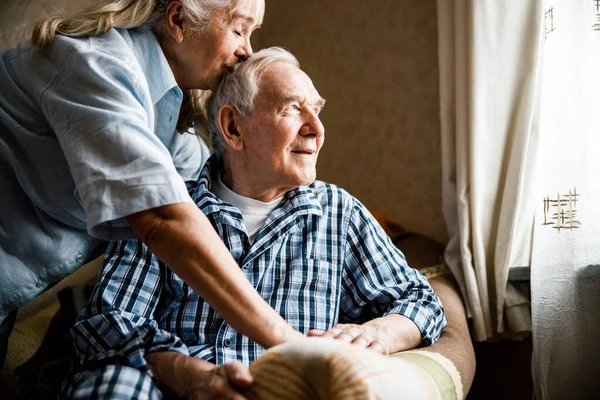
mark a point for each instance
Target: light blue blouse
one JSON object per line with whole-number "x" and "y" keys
{"x": 87, "y": 137}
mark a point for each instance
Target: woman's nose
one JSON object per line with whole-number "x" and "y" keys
{"x": 244, "y": 51}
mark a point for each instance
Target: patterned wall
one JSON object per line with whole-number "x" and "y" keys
{"x": 375, "y": 61}
{"x": 376, "y": 64}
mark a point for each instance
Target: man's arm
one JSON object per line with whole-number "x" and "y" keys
{"x": 119, "y": 329}
{"x": 383, "y": 302}
{"x": 193, "y": 378}
{"x": 118, "y": 324}
{"x": 455, "y": 343}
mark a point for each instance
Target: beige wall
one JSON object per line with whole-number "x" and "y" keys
{"x": 17, "y": 17}
{"x": 375, "y": 61}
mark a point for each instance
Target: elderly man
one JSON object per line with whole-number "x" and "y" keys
{"x": 309, "y": 248}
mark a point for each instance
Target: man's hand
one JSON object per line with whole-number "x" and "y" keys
{"x": 193, "y": 378}
{"x": 384, "y": 335}
{"x": 370, "y": 337}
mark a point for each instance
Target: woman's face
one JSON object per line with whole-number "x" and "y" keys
{"x": 208, "y": 55}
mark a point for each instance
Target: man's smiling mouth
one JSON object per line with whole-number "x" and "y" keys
{"x": 306, "y": 152}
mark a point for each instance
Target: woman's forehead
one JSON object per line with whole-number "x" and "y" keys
{"x": 251, "y": 10}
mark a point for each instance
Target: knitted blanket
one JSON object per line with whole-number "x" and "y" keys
{"x": 325, "y": 369}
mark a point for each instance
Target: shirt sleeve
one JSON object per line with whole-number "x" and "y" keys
{"x": 377, "y": 281}
{"x": 118, "y": 327}
{"x": 104, "y": 124}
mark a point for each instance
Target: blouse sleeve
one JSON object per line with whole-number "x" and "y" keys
{"x": 100, "y": 109}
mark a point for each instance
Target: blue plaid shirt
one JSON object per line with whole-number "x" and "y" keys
{"x": 320, "y": 258}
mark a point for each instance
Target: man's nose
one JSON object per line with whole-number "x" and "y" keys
{"x": 313, "y": 125}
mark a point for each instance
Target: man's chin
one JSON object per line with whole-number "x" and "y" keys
{"x": 308, "y": 180}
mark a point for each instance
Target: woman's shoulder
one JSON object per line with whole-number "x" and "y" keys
{"x": 114, "y": 44}
{"x": 109, "y": 56}
{"x": 118, "y": 45}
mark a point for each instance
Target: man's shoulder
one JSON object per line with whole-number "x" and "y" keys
{"x": 331, "y": 195}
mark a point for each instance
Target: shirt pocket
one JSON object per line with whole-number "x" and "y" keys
{"x": 306, "y": 293}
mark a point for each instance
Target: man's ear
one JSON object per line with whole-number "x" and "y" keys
{"x": 174, "y": 16}
{"x": 229, "y": 124}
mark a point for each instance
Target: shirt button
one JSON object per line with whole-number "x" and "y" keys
{"x": 79, "y": 258}
{"x": 227, "y": 343}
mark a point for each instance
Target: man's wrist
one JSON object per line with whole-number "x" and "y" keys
{"x": 174, "y": 371}
{"x": 400, "y": 332}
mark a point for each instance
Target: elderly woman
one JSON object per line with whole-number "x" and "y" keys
{"x": 94, "y": 114}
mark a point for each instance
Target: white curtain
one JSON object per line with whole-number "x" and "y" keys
{"x": 489, "y": 54}
{"x": 520, "y": 114}
{"x": 565, "y": 277}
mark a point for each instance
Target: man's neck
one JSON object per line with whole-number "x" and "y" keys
{"x": 254, "y": 212}
{"x": 246, "y": 187}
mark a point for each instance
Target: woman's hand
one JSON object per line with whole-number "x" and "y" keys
{"x": 193, "y": 378}
{"x": 367, "y": 336}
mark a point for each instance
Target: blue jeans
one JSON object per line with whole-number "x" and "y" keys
{"x": 6, "y": 328}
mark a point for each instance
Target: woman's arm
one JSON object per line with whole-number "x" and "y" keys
{"x": 181, "y": 236}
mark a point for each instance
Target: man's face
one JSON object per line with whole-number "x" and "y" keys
{"x": 283, "y": 135}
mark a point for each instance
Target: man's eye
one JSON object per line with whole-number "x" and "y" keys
{"x": 237, "y": 32}
{"x": 295, "y": 107}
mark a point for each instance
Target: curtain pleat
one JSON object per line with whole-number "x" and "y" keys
{"x": 489, "y": 55}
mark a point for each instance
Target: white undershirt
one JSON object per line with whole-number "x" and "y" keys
{"x": 255, "y": 212}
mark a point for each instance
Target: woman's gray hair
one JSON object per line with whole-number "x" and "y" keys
{"x": 200, "y": 12}
{"x": 239, "y": 89}
{"x": 99, "y": 19}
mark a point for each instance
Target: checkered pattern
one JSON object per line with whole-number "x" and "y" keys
{"x": 320, "y": 258}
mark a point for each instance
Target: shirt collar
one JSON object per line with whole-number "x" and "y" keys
{"x": 301, "y": 200}
{"x": 156, "y": 68}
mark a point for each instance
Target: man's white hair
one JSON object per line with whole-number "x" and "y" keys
{"x": 239, "y": 89}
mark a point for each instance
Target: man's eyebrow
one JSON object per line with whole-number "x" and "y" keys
{"x": 289, "y": 99}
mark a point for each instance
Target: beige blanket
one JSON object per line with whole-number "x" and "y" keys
{"x": 325, "y": 369}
